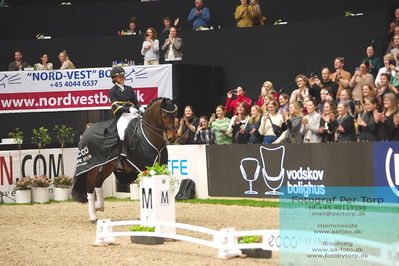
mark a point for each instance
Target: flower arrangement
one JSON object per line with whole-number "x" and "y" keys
{"x": 249, "y": 239}
{"x": 40, "y": 181}
{"x": 62, "y": 181}
{"x": 140, "y": 228}
{"x": 157, "y": 169}
{"x": 24, "y": 183}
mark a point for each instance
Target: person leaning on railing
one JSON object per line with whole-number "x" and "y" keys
{"x": 346, "y": 131}
{"x": 386, "y": 128}
{"x": 238, "y": 123}
{"x": 150, "y": 48}
{"x": 244, "y": 15}
{"x": 293, "y": 120}
{"x": 188, "y": 126}
{"x": 44, "y": 65}
{"x": 220, "y": 126}
{"x": 172, "y": 47}
{"x": 328, "y": 122}
{"x": 252, "y": 127}
{"x": 311, "y": 123}
{"x": 367, "y": 123}
{"x": 65, "y": 62}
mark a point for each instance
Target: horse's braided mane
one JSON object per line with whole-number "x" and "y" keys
{"x": 168, "y": 104}
{"x": 153, "y": 101}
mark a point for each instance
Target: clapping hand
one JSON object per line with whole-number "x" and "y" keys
{"x": 396, "y": 120}
{"x": 361, "y": 122}
{"x": 177, "y": 21}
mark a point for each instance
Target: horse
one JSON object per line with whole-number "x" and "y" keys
{"x": 145, "y": 137}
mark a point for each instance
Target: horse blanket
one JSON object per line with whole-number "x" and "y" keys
{"x": 100, "y": 145}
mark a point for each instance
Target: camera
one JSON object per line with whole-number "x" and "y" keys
{"x": 314, "y": 76}
{"x": 233, "y": 91}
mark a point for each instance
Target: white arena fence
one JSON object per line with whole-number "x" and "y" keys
{"x": 225, "y": 240}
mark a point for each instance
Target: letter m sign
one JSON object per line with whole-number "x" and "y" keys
{"x": 146, "y": 199}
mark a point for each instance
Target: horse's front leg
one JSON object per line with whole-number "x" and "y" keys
{"x": 103, "y": 173}
{"x": 91, "y": 197}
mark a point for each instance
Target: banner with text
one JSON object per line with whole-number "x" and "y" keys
{"x": 259, "y": 171}
{"x": 16, "y": 164}
{"x": 77, "y": 89}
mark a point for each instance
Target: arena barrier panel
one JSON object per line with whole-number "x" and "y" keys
{"x": 259, "y": 171}
{"x": 15, "y": 164}
{"x": 189, "y": 161}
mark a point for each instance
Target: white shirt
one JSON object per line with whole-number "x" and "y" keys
{"x": 311, "y": 130}
{"x": 383, "y": 70}
{"x": 266, "y": 128}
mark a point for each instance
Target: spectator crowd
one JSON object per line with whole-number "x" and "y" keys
{"x": 338, "y": 106}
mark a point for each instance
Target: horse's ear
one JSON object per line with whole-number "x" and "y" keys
{"x": 174, "y": 100}
{"x": 163, "y": 103}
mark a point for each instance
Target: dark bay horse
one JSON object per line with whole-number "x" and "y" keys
{"x": 144, "y": 144}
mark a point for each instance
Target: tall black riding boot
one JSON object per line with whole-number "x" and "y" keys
{"x": 120, "y": 161}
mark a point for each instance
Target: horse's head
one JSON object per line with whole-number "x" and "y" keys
{"x": 168, "y": 116}
{"x": 160, "y": 116}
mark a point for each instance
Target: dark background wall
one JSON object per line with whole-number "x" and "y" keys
{"x": 91, "y": 17}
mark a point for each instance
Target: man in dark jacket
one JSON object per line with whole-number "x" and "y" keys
{"x": 125, "y": 105}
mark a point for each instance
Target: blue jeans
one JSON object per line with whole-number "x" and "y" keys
{"x": 269, "y": 139}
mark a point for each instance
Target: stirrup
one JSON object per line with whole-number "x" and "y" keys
{"x": 119, "y": 165}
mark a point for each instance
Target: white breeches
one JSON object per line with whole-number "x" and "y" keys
{"x": 124, "y": 121}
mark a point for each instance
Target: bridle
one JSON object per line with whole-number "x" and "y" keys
{"x": 154, "y": 129}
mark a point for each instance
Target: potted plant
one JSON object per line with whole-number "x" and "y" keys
{"x": 146, "y": 240}
{"x": 23, "y": 190}
{"x": 18, "y": 138}
{"x": 40, "y": 189}
{"x": 41, "y": 138}
{"x": 64, "y": 135}
{"x": 156, "y": 170}
{"x": 62, "y": 187}
{"x": 254, "y": 252}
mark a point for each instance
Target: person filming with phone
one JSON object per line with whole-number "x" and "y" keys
{"x": 231, "y": 105}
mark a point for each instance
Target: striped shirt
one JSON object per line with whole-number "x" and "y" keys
{"x": 219, "y": 125}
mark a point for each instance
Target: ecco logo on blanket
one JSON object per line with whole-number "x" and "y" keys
{"x": 83, "y": 156}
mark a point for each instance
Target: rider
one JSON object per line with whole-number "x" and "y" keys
{"x": 125, "y": 106}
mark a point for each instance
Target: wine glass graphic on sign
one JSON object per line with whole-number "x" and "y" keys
{"x": 245, "y": 176}
{"x": 270, "y": 157}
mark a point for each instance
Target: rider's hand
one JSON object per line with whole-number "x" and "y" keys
{"x": 133, "y": 110}
{"x": 142, "y": 109}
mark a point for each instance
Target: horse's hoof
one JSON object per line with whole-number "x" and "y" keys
{"x": 94, "y": 221}
{"x": 101, "y": 209}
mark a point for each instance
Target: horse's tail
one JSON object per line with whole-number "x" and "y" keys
{"x": 79, "y": 188}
